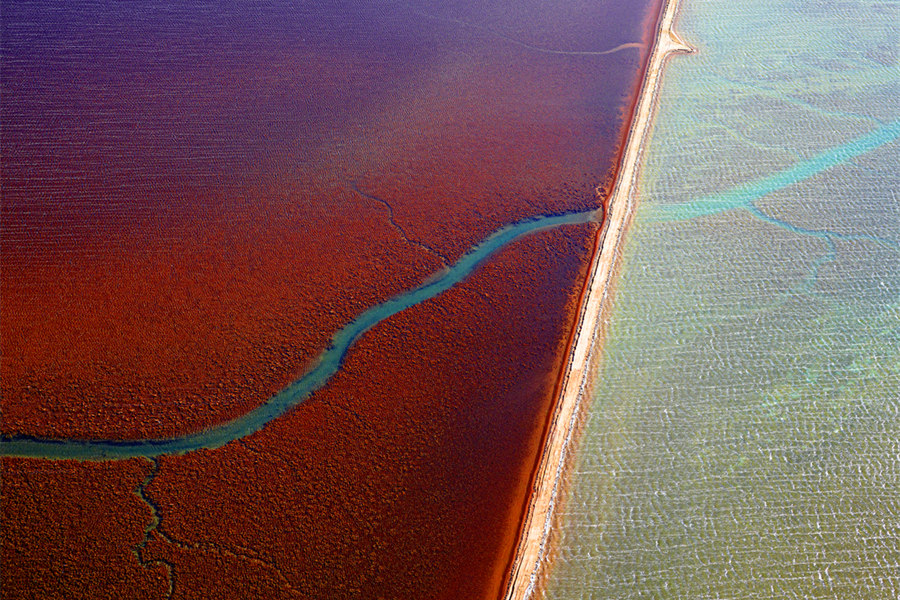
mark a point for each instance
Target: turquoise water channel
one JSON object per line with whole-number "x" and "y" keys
{"x": 325, "y": 367}
{"x": 744, "y": 438}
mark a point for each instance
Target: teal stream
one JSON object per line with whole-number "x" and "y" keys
{"x": 744, "y": 195}
{"x": 327, "y": 364}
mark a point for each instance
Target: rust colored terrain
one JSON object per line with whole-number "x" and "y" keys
{"x": 70, "y": 530}
{"x": 393, "y": 483}
{"x": 171, "y": 257}
{"x": 191, "y": 209}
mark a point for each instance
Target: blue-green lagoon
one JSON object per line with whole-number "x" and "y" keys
{"x": 744, "y": 438}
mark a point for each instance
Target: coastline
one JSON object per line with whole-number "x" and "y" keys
{"x": 531, "y": 550}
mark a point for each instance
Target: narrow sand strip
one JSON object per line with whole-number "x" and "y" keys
{"x": 532, "y": 547}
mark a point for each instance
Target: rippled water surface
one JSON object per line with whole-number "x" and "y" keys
{"x": 744, "y": 441}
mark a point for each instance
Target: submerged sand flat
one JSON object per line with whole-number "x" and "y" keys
{"x": 743, "y": 436}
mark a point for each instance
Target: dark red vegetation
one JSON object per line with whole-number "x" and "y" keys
{"x": 402, "y": 479}
{"x": 171, "y": 257}
{"x": 405, "y": 477}
{"x": 196, "y": 198}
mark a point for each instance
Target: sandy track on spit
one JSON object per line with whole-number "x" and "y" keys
{"x": 532, "y": 547}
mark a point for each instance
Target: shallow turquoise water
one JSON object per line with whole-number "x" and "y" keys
{"x": 744, "y": 441}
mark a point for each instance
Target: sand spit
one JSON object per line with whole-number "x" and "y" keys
{"x": 532, "y": 548}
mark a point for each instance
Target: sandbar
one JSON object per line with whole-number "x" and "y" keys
{"x": 531, "y": 551}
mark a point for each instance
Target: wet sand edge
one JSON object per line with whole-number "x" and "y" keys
{"x": 532, "y": 547}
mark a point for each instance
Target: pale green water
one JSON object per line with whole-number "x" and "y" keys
{"x": 745, "y": 438}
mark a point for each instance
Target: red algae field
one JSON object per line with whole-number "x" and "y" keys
{"x": 196, "y": 198}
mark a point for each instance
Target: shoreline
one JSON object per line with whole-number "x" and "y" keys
{"x": 531, "y": 549}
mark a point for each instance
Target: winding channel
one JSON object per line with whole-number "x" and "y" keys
{"x": 327, "y": 364}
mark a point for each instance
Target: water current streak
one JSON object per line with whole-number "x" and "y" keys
{"x": 527, "y": 46}
{"x": 745, "y": 195}
{"x": 793, "y": 100}
{"x": 326, "y": 365}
